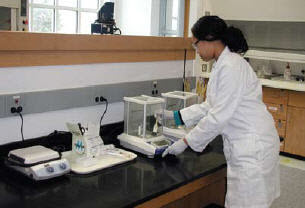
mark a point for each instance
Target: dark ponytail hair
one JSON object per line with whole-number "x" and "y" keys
{"x": 210, "y": 28}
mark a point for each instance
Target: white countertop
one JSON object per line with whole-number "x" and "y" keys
{"x": 288, "y": 85}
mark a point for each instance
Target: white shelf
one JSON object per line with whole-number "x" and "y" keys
{"x": 275, "y": 56}
{"x": 288, "y": 85}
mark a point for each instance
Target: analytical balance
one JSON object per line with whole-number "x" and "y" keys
{"x": 38, "y": 162}
{"x": 142, "y": 126}
{"x": 175, "y": 101}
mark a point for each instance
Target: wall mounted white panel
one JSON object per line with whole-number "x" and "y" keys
{"x": 257, "y": 10}
{"x": 28, "y": 79}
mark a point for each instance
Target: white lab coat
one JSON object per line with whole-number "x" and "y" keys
{"x": 234, "y": 109}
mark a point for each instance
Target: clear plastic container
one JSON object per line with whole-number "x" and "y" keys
{"x": 140, "y": 117}
{"x": 178, "y": 100}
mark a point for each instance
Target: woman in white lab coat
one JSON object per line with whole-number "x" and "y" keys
{"x": 233, "y": 109}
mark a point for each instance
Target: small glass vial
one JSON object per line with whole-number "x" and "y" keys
{"x": 287, "y": 73}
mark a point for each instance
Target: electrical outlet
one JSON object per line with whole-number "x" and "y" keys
{"x": 14, "y": 102}
{"x": 16, "y": 99}
{"x": 98, "y": 96}
{"x": 155, "y": 83}
{"x": 154, "y": 88}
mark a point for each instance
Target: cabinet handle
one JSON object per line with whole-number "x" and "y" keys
{"x": 279, "y": 124}
{"x": 288, "y": 117}
{"x": 272, "y": 108}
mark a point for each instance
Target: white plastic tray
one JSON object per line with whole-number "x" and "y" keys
{"x": 82, "y": 165}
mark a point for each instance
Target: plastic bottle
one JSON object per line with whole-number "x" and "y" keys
{"x": 287, "y": 72}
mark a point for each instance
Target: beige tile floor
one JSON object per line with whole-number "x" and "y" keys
{"x": 291, "y": 162}
{"x": 292, "y": 184}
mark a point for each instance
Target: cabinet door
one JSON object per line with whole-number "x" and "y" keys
{"x": 295, "y": 131}
{"x": 281, "y": 127}
{"x": 278, "y": 96}
{"x": 297, "y": 99}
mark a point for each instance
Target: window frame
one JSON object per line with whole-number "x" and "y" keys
{"x": 55, "y": 9}
{"x": 164, "y": 29}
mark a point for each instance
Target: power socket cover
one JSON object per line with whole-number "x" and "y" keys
{"x": 14, "y": 100}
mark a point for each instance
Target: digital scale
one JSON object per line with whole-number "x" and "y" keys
{"x": 142, "y": 127}
{"x": 38, "y": 162}
{"x": 89, "y": 154}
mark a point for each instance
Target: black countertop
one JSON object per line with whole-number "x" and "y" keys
{"x": 125, "y": 185}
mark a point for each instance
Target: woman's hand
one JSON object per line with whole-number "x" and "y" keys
{"x": 177, "y": 148}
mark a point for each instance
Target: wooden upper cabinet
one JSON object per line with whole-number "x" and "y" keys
{"x": 277, "y": 96}
{"x": 295, "y": 131}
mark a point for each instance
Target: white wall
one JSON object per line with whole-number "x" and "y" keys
{"x": 258, "y": 10}
{"x": 27, "y": 79}
{"x": 133, "y": 17}
{"x": 196, "y": 11}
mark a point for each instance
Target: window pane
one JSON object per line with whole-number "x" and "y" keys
{"x": 169, "y": 14}
{"x": 174, "y": 24}
{"x": 66, "y": 21}
{"x": 5, "y": 18}
{"x": 89, "y": 4}
{"x": 87, "y": 18}
{"x": 42, "y": 20}
{"x": 68, "y": 3}
{"x": 175, "y": 8}
{"x": 48, "y": 2}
